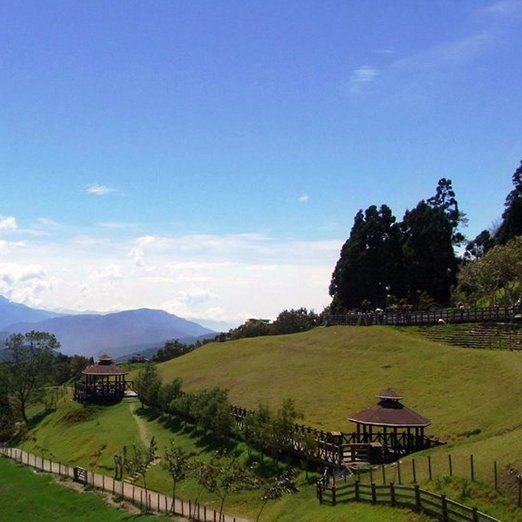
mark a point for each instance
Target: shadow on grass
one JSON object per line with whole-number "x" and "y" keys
{"x": 39, "y": 417}
{"x": 203, "y": 440}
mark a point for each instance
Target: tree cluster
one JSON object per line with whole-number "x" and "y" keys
{"x": 210, "y": 409}
{"x": 287, "y": 322}
{"x": 496, "y": 276}
{"x": 267, "y": 430}
{"x": 386, "y": 262}
{"x": 173, "y": 348}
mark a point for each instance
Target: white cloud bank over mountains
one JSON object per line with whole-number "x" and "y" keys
{"x": 221, "y": 277}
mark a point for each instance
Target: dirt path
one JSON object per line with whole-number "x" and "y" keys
{"x": 142, "y": 427}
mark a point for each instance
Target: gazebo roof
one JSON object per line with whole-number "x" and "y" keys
{"x": 104, "y": 367}
{"x": 390, "y": 412}
{"x": 389, "y": 394}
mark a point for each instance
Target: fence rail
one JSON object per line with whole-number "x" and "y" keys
{"x": 410, "y": 496}
{"x": 147, "y": 500}
{"x": 448, "y": 315}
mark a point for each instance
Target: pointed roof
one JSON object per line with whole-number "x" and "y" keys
{"x": 390, "y": 412}
{"x": 104, "y": 367}
{"x": 389, "y": 394}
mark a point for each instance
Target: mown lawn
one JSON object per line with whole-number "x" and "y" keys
{"x": 26, "y": 496}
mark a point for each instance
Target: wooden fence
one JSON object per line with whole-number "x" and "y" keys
{"x": 338, "y": 449}
{"x": 409, "y": 496}
{"x": 492, "y": 314}
{"x": 147, "y": 500}
{"x": 499, "y": 477}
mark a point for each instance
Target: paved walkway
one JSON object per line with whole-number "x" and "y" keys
{"x": 139, "y": 496}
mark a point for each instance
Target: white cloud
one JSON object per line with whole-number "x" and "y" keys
{"x": 303, "y": 198}
{"x": 46, "y": 222}
{"x": 116, "y": 225}
{"x": 111, "y": 271}
{"x": 100, "y": 190}
{"x": 7, "y": 246}
{"x": 219, "y": 277}
{"x": 504, "y": 8}
{"x": 8, "y": 223}
{"x": 363, "y": 75}
{"x": 23, "y": 283}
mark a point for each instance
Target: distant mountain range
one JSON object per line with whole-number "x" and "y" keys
{"x": 117, "y": 334}
{"x": 16, "y": 312}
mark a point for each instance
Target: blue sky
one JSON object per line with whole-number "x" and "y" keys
{"x": 208, "y": 157}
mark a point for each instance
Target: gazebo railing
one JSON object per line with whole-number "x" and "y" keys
{"x": 83, "y": 390}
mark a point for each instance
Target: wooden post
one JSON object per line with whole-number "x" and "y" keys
{"x": 158, "y": 505}
{"x": 472, "y": 468}
{"x": 190, "y": 508}
{"x": 475, "y": 515}
{"x": 413, "y": 471}
{"x": 520, "y": 491}
{"x": 418, "y": 506}
{"x": 450, "y": 466}
{"x": 133, "y": 491}
{"x": 444, "y": 508}
{"x": 371, "y": 476}
{"x": 357, "y": 490}
{"x": 392, "y": 494}
{"x": 334, "y": 499}
{"x": 374, "y": 496}
{"x": 495, "y": 476}
{"x": 429, "y": 467}
{"x": 383, "y": 474}
{"x": 103, "y": 482}
{"x": 399, "y": 471}
{"x": 141, "y": 498}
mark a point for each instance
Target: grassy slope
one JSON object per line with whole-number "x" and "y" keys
{"x": 25, "y": 495}
{"x": 335, "y": 372}
{"x": 331, "y": 373}
{"x": 470, "y": 395}
{"x": 116, "y": 426}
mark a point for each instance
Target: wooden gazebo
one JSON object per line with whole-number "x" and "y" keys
{"x": 104, "y": 381}
{"x": 391, "y": 426}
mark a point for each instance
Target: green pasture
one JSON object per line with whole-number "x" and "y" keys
{"x": 115, "y": 426}
{"x": 29, "y": 496}
{"x": 469, "y": 395}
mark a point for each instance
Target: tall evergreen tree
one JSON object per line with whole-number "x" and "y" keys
{"x": 369, "y": 265}
{"x": 511, "y": 225}
{"x": 428, "y": 256}
{"x": 445, "y": 200}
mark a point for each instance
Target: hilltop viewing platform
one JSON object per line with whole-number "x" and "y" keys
{"x": 104, "y": 381}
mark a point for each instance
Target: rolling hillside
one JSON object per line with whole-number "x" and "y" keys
{"x": 334, "y": 372}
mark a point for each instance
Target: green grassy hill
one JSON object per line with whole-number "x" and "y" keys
{"x": 471, "y": 397}
{"x": 334, "y": 372}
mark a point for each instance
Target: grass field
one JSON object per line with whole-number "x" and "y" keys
{"x": 470, "y": 396}
{"x": 27, "y": 496}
